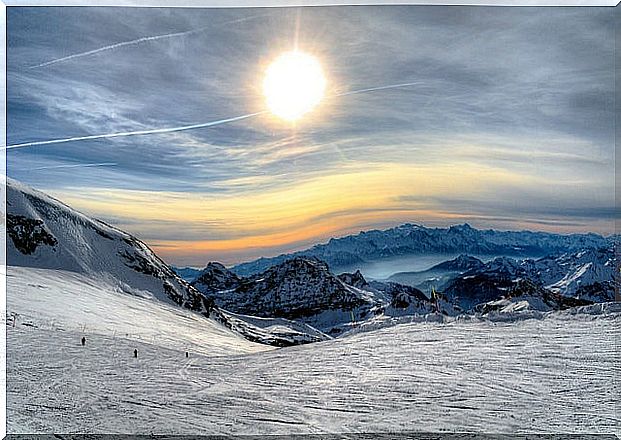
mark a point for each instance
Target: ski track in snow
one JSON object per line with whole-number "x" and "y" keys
{"x": 551, "y": 375}
{"x": 63, "y": 301}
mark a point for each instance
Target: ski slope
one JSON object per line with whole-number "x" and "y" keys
{"x": 557, "y": 374}
{"x": 70, "y": 302}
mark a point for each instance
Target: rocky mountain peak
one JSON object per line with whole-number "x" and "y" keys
{"x": 355, "y": 279}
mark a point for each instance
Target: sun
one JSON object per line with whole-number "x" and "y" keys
{"x": 294, "y": 84}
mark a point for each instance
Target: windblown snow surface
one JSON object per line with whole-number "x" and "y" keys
{"x": 557, "y": 373}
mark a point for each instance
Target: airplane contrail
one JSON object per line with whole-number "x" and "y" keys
{"x": 135, "y": 133}
{"x": 373, "y": 89}
{"x": 187, "y": 127}
{"x": 136, "y": 41}
{"x": 80, "y": 165}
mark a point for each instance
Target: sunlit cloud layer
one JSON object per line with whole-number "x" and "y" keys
{"x": 507, "y": 121}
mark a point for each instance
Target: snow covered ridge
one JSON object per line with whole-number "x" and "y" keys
{"x": 586, "y": 276}
{"x": 44, "y": 233}
{"x": 411, "y": 239}
{"x": 296, "y": 288}
{"x": 501, "y": 311}
{"x": 304, "y": 290}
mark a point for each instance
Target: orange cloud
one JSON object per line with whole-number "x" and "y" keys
{"x": 292, "y": 214}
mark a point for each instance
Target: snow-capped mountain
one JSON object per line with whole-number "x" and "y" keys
{"x": 295, "y": 288}
{"x": 47, "y": 234}
{"x": 305, "y": 290}
{"x": 584, "y": 275}
{"x": 409, "y": 239}
{"x": 215, "y": 277}
{"x": 526, "y": 296}
{"x": 588, "y": 274}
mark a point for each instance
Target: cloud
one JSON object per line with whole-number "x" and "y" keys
{"x": 80, "y": 165}
{"x": 502, "y": 115}
{"x": 134, "y": 133}
{"x": 135, "y": 42}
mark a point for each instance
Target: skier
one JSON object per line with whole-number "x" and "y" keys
{"x": 135, "y": 353}
{"x": 434, "y": 299}
{"x": 187, "y": 354}
{"x": 83, "y": 341}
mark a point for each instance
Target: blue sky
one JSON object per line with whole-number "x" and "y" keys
{"x": 510, "y": 123}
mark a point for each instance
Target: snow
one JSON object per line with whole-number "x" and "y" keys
{"x": 62, "y": 301}
{"x": 501, "y": 372}
{"x": 556, "y": 374}
{"x": 87, "y": 246}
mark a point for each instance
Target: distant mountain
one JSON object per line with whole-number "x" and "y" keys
{"x": 409, "y": 239}
{"x": 460, "y": 264}
{"x": 188, "y": 274}
{"x": 305, "y": 290}
{"x": 295, "y": 288}
{"x": 439, "y": 274}
{"x": 587, "y": 275}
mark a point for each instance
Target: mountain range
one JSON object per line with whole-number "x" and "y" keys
{"x": 411, "y": 239}
{"x": 305, "y": 290}
{"x": 300, "y": 298}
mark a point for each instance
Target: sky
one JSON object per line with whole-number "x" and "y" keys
{"x": 507, "y": 121}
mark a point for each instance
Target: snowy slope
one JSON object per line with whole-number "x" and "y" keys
{"x": 554, "y": 375}
{"x": 48, "y": 235}
{"x": 66, "y": 301}
{"x": 44, "y": 233}
{"x": 411, "y": 239}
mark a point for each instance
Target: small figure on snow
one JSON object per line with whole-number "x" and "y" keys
{"x": 135, "y": 353}
{"x": 83, "y": 341}
{"x": 187, "y": 354}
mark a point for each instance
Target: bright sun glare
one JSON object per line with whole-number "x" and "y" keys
{"x": 294, "y": 84}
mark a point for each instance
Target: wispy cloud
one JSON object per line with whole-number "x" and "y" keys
{"x": 436, "y": 115}
{"x": 136, "y": 42}
{"x": 183, "y": 127}
{"x": 134, "y": 133}
{"x": 79, "y": 165}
